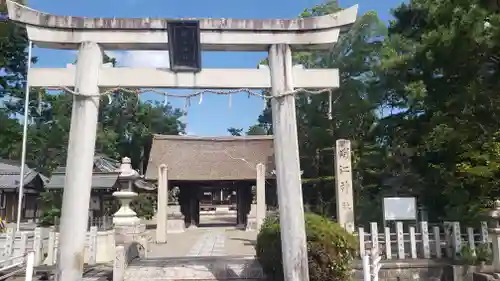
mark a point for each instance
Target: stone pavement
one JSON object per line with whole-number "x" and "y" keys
{"x": 215, "y": 250}
{"x": 223, "y": 239}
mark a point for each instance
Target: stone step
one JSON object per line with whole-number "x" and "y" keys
{"x": 195, "y": 268}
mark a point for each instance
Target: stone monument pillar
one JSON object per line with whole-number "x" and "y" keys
{"x": 261, "y": 194}
{"x": 127, "y": 225}
{"x": 162, "y": 205}
{"x": 258, "y": 210}
{"x": 343, "y": 185}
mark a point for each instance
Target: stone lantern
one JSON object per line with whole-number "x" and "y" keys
{"x": 125, "y": 216}
{"x": 494, "y": 232}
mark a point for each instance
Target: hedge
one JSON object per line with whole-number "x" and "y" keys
{"x": 330, "y": 249}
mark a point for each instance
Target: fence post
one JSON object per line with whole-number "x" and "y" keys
{"x": 484, "y": 232}
{"x": 361, "y": 237}
{"x": 8, "y": 249}
{"x": 24, "y": 245}
{"x": 37, "y": 246}
{"x": 30, "y": 264}
{"x": 401, "y": 241}
{"x": 374, "y": 235}
{"x": 424, "y": 229}
{"x": 387, "y": 237}
{"x": 437, "y": 240}
{"x": 448, "y": 230}
{"x": 56, "y": 248}
{"x": 470, "y": 239}
{"x": 413, "y": 243}
{"x": 457, "y": 239}
{"x": 375, "y": 264}
{"x": 366, "y": 267}
{"x": 93, "y": 245}
{"x": 51, "y": 247}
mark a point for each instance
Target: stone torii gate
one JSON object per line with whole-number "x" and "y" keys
{"x": 91, "y": 36}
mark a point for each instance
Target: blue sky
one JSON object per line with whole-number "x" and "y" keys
{"x": 213, "y": 116}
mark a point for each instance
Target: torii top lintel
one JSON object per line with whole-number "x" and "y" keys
{"x": 66, "y": 32}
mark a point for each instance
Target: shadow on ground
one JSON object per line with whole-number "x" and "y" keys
{"x": 248, "y": 242}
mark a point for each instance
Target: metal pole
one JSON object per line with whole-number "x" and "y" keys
{"x": 25, "y": 136}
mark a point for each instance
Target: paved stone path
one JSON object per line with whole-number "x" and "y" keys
{"x": 222, "y": 240}
{"x": 214, "y": 251}
{"x": 211, "y": 243}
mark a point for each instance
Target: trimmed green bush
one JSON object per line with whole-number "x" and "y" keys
{"x": 329, "y": 247}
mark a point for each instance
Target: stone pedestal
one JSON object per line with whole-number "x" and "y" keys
{"x": 175, "y": 223}
{"x": 252, "y": 221}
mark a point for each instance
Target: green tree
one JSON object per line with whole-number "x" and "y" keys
{"x": 235, "y": 131}
{"x": 354, "y": 112}
{"x": 125, "y": 128}
{"x": 13, "y": 57}
{"x": 256, "y": 130}
{"x": 440, "y": 66}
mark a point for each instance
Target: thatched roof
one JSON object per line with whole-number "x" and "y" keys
{"x": 210, "y": 158}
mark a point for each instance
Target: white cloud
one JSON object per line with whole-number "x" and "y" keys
{"x": 155, "y": 59}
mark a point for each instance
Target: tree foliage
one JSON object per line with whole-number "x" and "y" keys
{"x": 440, "y": 68}
{"x": 354, "y": 111}
{"x": 125, "y": 128}
{"x": 418, "y": 101}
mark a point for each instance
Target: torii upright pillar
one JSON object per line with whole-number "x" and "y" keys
{"x": 79, "y": 164}
{"x": 286, "y": 153}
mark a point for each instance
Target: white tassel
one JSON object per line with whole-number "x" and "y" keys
{"x": 165, "y": 100}
{"x": 201, "y": 98}
{"x": 230, "y": 101}
{"x": 186, "y": 105}
{"x": 330, "y": 105}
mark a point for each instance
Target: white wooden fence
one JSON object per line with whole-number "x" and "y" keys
{"x": 421, "y": 240}
{"x": 10, "y": 268}
{"x": 43, "y": 242}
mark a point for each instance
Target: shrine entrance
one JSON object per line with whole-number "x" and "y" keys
{"x": 215, "y": 204}
{"x": 215, "y": 176}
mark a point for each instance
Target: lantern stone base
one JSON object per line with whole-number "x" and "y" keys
{"x": 127, "y": 225}
{"x": 125, "y": 216}
{"x": 129, "y": 234}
